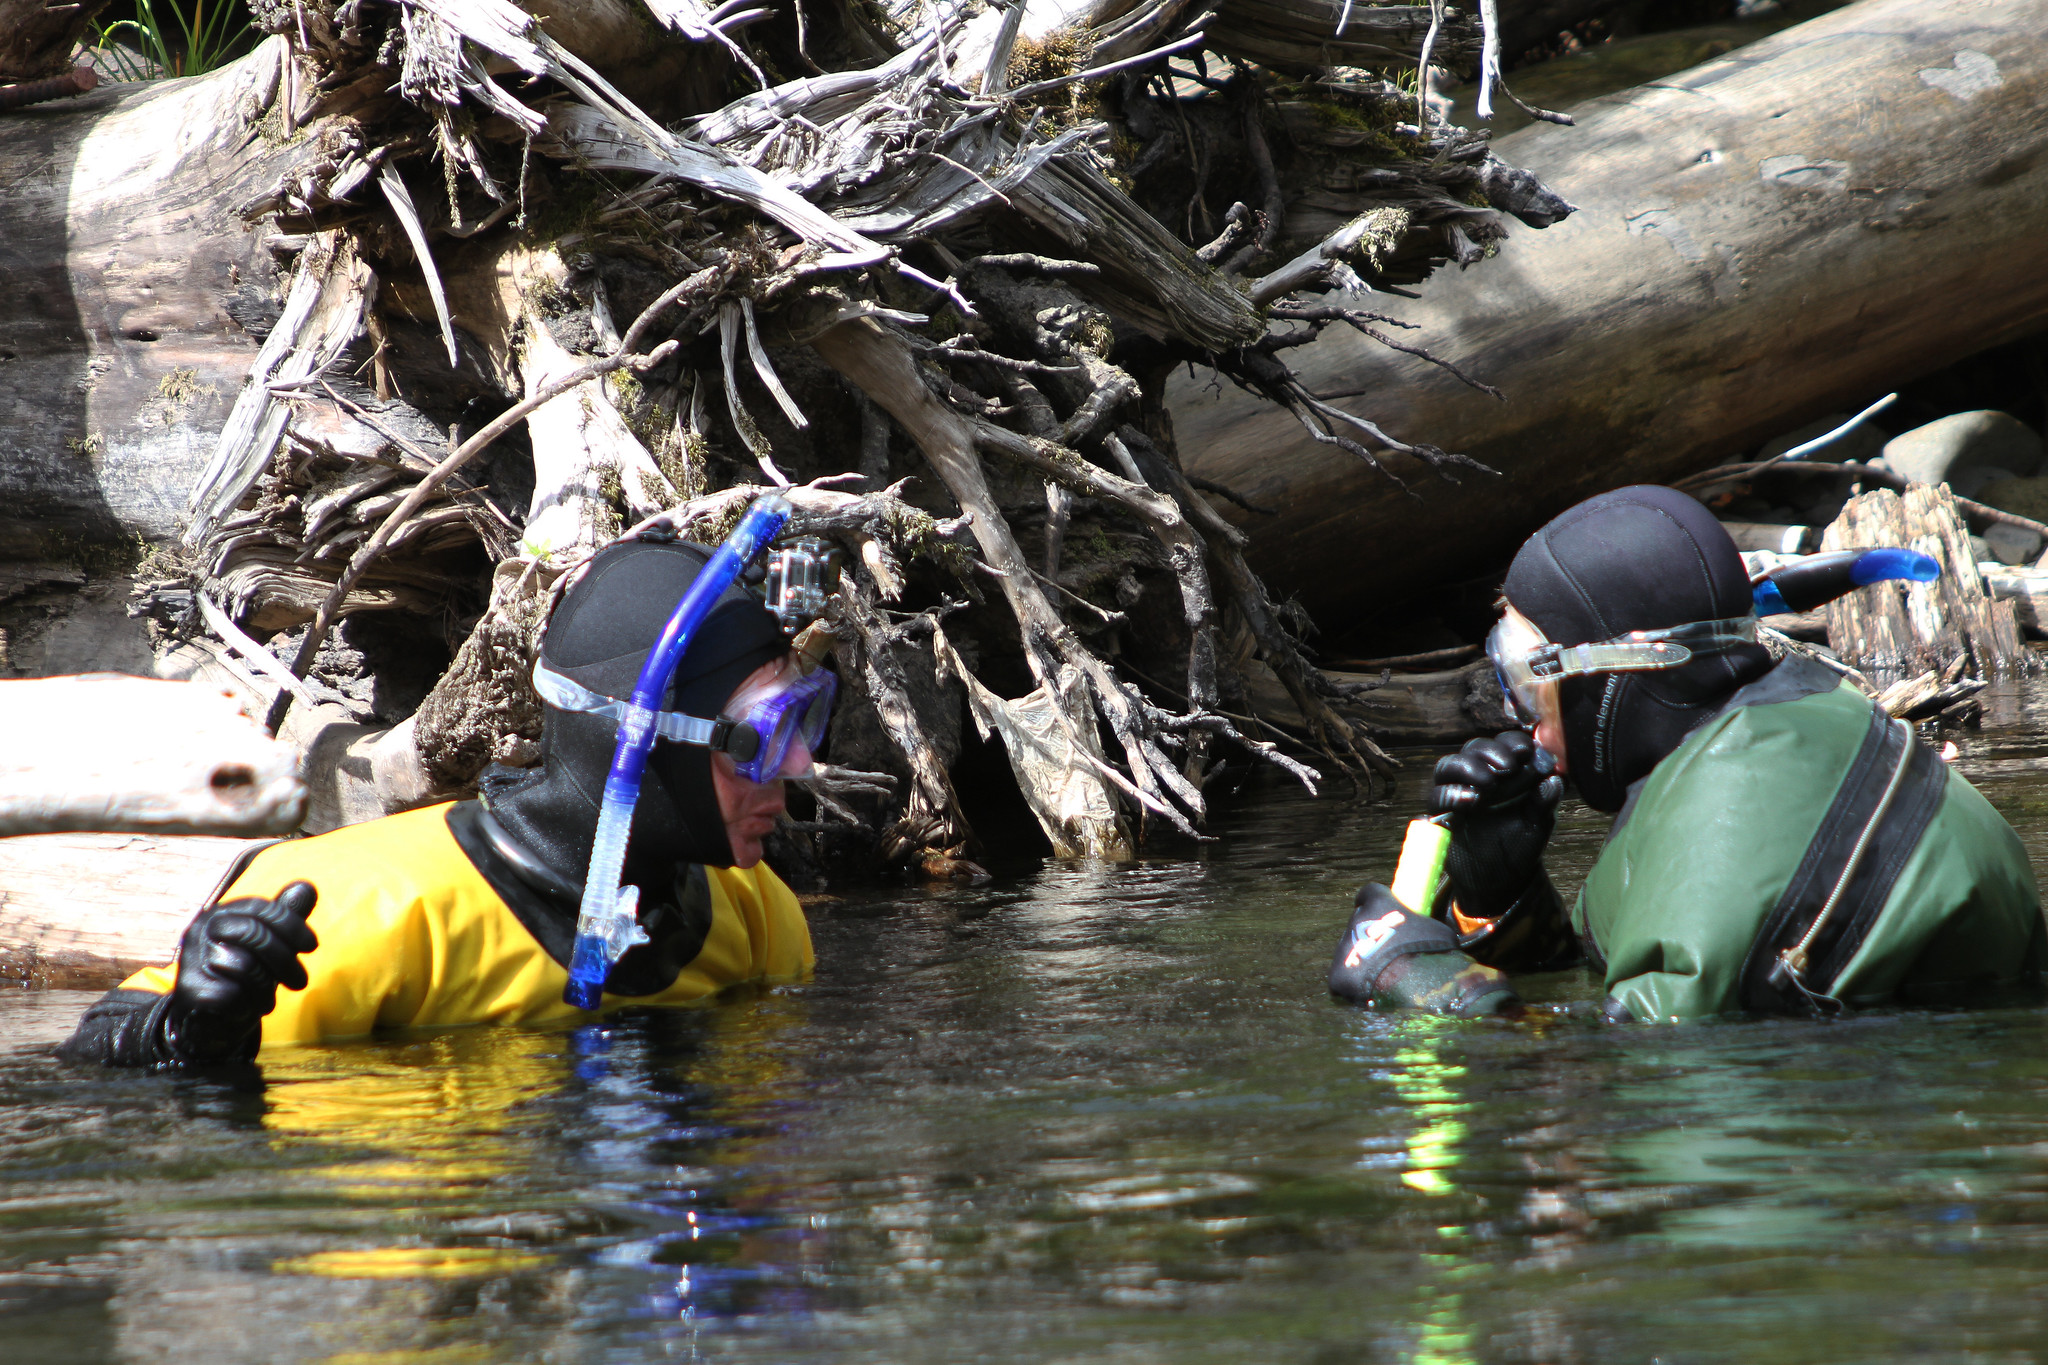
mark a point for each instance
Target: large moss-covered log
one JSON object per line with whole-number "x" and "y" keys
{"x": 1826, "y": 213}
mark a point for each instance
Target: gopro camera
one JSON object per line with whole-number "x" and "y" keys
{"x": 802, "y": 576}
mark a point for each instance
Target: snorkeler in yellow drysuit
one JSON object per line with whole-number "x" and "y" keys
{"x": 466, "y": 913}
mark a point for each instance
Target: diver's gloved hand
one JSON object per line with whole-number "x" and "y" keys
{"x": 230, "y": 963}
{"x": 1391, "y": 955}
{"x": 1501, "y": 795}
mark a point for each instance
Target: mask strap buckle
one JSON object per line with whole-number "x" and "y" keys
{"x": 567, "y": 694}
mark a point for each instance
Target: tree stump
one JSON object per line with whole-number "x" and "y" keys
{"x": 1899, "y": 630}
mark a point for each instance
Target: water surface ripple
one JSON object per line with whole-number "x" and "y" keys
{"x": 1088, "y": 1113}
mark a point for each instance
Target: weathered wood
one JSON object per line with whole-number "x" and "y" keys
{"x": 1301, "y": 35}
{"x": 1714, "y": 288}
{"x": 122, "y": 253}
{"x": 84, "y": 911}
{"x": 1441, "y": 707}
{"x": 1073, "y": 807}
{"x": 661, "y": 73}
{"x": 1147, "y": 276}
{"x": 588, "y": 466}
{"x": 323, "y": 312}
{"x": 37, "y": 36}
{"x": 109, "y": 752}
{"x": 1893, "y": 631}
{"x": 885, "y": 371}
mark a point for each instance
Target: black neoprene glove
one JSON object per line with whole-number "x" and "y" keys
{"x": 1501, "y": 794}
{"x": 1390, "y": 955}
{"x": 230, "y": 963}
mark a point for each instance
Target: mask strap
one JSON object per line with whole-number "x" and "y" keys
{"x": 567, "y": 694}
{"x": 1705, "y": 637}
{"x": 1643, "y": 650}
{"x": 1570, "y": 661}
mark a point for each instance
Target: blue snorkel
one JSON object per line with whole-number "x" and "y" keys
{"x": 1819, "y": 579}
{"x": 608, "y": 922}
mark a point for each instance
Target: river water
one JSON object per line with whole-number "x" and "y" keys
{"x": 1087, "y": 1113}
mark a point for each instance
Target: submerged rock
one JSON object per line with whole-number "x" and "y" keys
{"x": 2012, "y": 544}
{"x": 2029, "y": 498}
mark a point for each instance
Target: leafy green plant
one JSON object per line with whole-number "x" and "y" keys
{"x": 161, "y": 42}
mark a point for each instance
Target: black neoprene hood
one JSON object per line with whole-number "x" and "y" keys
{"x": 599, "y": 636}
{"x": 1640, "y": 558}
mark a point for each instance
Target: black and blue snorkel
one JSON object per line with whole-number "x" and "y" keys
{"x": 608, "y": 919}
{"x": 1816, "y": 580}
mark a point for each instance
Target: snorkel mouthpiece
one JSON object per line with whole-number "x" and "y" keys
{"x": 1819, "y": 579}
{"x": 608, "y": 921}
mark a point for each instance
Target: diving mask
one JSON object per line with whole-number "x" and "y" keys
{"x": 772, "y": 717}
{"x": 1530, "y": 667}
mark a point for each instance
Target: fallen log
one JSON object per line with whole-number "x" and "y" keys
{"x": 115, "y": 753}
{"x": 82, "y": 911}
{"x": 118, "y": 270}
{"x": 1441, "y": 707}
{"x": 1770, "y": 236}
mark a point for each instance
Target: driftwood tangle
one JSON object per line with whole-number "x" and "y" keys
{"x": 515, "y": 283}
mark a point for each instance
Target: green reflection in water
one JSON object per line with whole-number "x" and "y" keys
{"x": 1423, "y": 1080}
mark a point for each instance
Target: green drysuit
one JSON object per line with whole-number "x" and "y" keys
{"x": 1728, "y": 850}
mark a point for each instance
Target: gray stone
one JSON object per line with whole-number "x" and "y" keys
{"x": 1944, "y": 450}
{"x": 1969, "y": 483}
{"x": 2012, "y": 544}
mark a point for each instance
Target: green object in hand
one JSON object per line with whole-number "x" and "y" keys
{"x": 1421, "y": 869}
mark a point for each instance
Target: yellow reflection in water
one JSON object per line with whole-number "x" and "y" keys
{"x": 1443, "y": 1338}
{"x": 442, "y": 1107}
{"x": 400, "y": 1263}
{"x": 1441, "y": 1334}
{"x": 462, "y": 1354}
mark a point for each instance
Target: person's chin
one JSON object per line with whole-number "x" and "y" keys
{"x": 746, "y": 850}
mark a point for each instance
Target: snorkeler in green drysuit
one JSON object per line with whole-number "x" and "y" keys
{"x": 1779, "y": 843}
